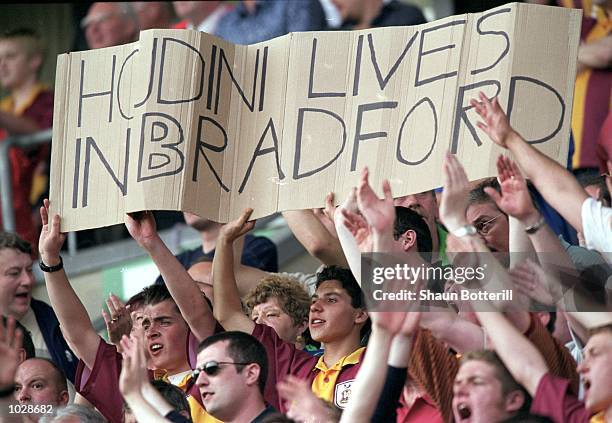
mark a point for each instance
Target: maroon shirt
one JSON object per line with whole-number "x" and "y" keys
{"x": 100, "y": 385}
{"x": 284, "y": 359}
{"x": 553, "y": 399}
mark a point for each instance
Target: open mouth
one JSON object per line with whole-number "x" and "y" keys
{"x": 587, "y": 386}
{"x": 206, "y": 396}
{"x": 316, "y": 322}
{"x": 155, "y": 348}
{"x": 464, "y": 411}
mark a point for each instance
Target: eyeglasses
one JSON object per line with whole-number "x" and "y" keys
{"x": 212, "y": 368}
{"x": 483, "y": 228}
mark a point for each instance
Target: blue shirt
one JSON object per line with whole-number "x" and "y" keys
{"x": 272, "y": 18}
{"x": 258, "y": 252}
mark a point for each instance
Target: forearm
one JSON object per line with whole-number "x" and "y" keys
{"x": 458, "y": 333}
{"x": 558, "y": 187}
{"x": 590, "y": 320}
{"x": 143, "y": 411}
{"x": 314, "y": 237}
{"x": 72, "y": 316}
{"x": 155, "y": 399}
{"x": 228, "y": 308}
{"x": 370, "y": 380}
{"x": 399, "y": 354}
{"x": 520, "y": 356}
{"x": 17, "y": 125}
{"x": 184, "y": 290}
{"x": 349, "y": 248}
{"x": 519, "y": 244}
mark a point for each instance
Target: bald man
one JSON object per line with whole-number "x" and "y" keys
{"x": 39, "y": 381}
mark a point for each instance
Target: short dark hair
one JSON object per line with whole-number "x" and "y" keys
{"x": 242, "y": 348}
{"x": 32, "y": 41}
{"x": 173, "y": 394}
{"x": 346, "y": 279}
{"x": 27, "y": 343}
{"x": 407, "y": 219}
{"x": 155, "y": 294}
{"x": 10, "y": 240}
{"x": 136, "y": 300}
{"x": 478, "y": 195}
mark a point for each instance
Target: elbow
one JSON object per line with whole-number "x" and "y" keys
{"x": 319, "y": 249}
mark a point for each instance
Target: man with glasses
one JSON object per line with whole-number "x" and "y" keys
{"x": 490, "y": 222}
{"x": 231, "y": 376}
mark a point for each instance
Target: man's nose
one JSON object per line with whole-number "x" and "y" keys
{"x": 23, "y": 396}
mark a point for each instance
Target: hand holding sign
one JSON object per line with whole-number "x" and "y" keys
{"x": 236, "y": 228}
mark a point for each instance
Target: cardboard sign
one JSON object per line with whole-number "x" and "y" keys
{"x": 182, "y": 120}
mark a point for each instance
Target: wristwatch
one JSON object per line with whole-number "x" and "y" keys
{"x": 536, "y": 226}
{"x": 51, "y": 269}
{"x": 465, "y": 230}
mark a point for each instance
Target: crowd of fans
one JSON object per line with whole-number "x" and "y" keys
{"x": 222, "y": 335}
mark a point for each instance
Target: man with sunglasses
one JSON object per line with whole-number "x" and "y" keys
{"x": 231, "y": 376}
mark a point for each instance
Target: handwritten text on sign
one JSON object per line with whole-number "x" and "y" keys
{"x": 181, "y": 120}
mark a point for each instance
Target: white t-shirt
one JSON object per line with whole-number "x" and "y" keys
{"x": 597, "y": 227}
{"x": 29, "y": 321}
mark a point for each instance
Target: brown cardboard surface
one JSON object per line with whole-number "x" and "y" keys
{"x": 182, "y": 120}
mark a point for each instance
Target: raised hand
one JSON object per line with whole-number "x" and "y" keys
{"x": 51, "y": 239}
{"x": 495, "y": 122}
{"x": 410, "y": 324}
{"x": 142, "y": 228}
{"x": 380, "y": 214}
{"x": 10, "y": 351}
{"x": 303, "y": 405}
{"x": 514, "y": 198}
{"x": 360, "y": 229}
{"x": 118, "y": 320}
{"x": 133, "y": 368}
{"x": 531, "y": 280}
{"x": 454, "y": 202}
{"x": 236, "y": 228}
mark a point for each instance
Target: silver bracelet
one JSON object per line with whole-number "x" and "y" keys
{"x": 536, "y": 226}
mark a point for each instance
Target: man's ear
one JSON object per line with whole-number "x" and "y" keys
{"x": 410, "y": 240}
{"x": 361, "y": 317}
{"x": 251, "y": 372}
{"x": 514, "y": 401}
{"x": 544, "y": 317}
{"x": 302, "y": 327}
{"x": 35, "y": 63}
{"x": 63, "y": 398}
{"x": 22, "y": 355}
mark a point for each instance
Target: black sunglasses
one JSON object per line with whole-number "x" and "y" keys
{"x": 211, "y": 368}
